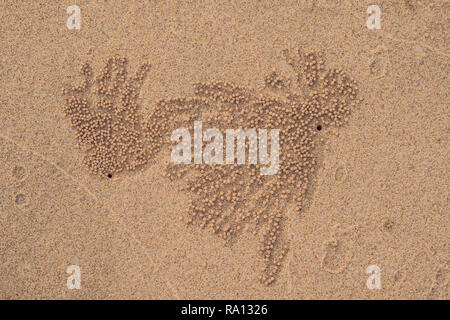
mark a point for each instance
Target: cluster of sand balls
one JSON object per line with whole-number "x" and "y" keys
{"x": 226, "y": 199}
{"x": 110, "y": 127}
{"x": 308, "y": 66}
{"x": 231, "y": 198}
{"x": 274, "y": 81}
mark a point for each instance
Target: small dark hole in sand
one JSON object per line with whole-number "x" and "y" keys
{"x": 109, "y": 175}
{"x": 319, "y": 127}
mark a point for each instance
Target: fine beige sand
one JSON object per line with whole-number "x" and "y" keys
{"x": 379, "y": 195}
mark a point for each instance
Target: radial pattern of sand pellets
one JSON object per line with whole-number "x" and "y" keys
{"x": 110, "y": 127}
{"x": 227, "y": 199}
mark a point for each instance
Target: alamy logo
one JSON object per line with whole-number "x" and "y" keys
{"x": 374, "y": 280}
{"x": 74, "y": 281}
{"x": 213, "y": 153}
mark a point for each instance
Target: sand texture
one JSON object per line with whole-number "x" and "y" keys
{"x": 86, "y": 118}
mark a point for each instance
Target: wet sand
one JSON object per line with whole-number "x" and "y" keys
{"x": 378, "y": 197}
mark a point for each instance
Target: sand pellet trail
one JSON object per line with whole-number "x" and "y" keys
{"x": 88, "y": 179}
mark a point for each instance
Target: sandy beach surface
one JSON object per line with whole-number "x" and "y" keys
{"x": 377, "y": 194}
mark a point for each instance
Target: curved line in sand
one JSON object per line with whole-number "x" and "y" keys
{"x": 174, "y": 291}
